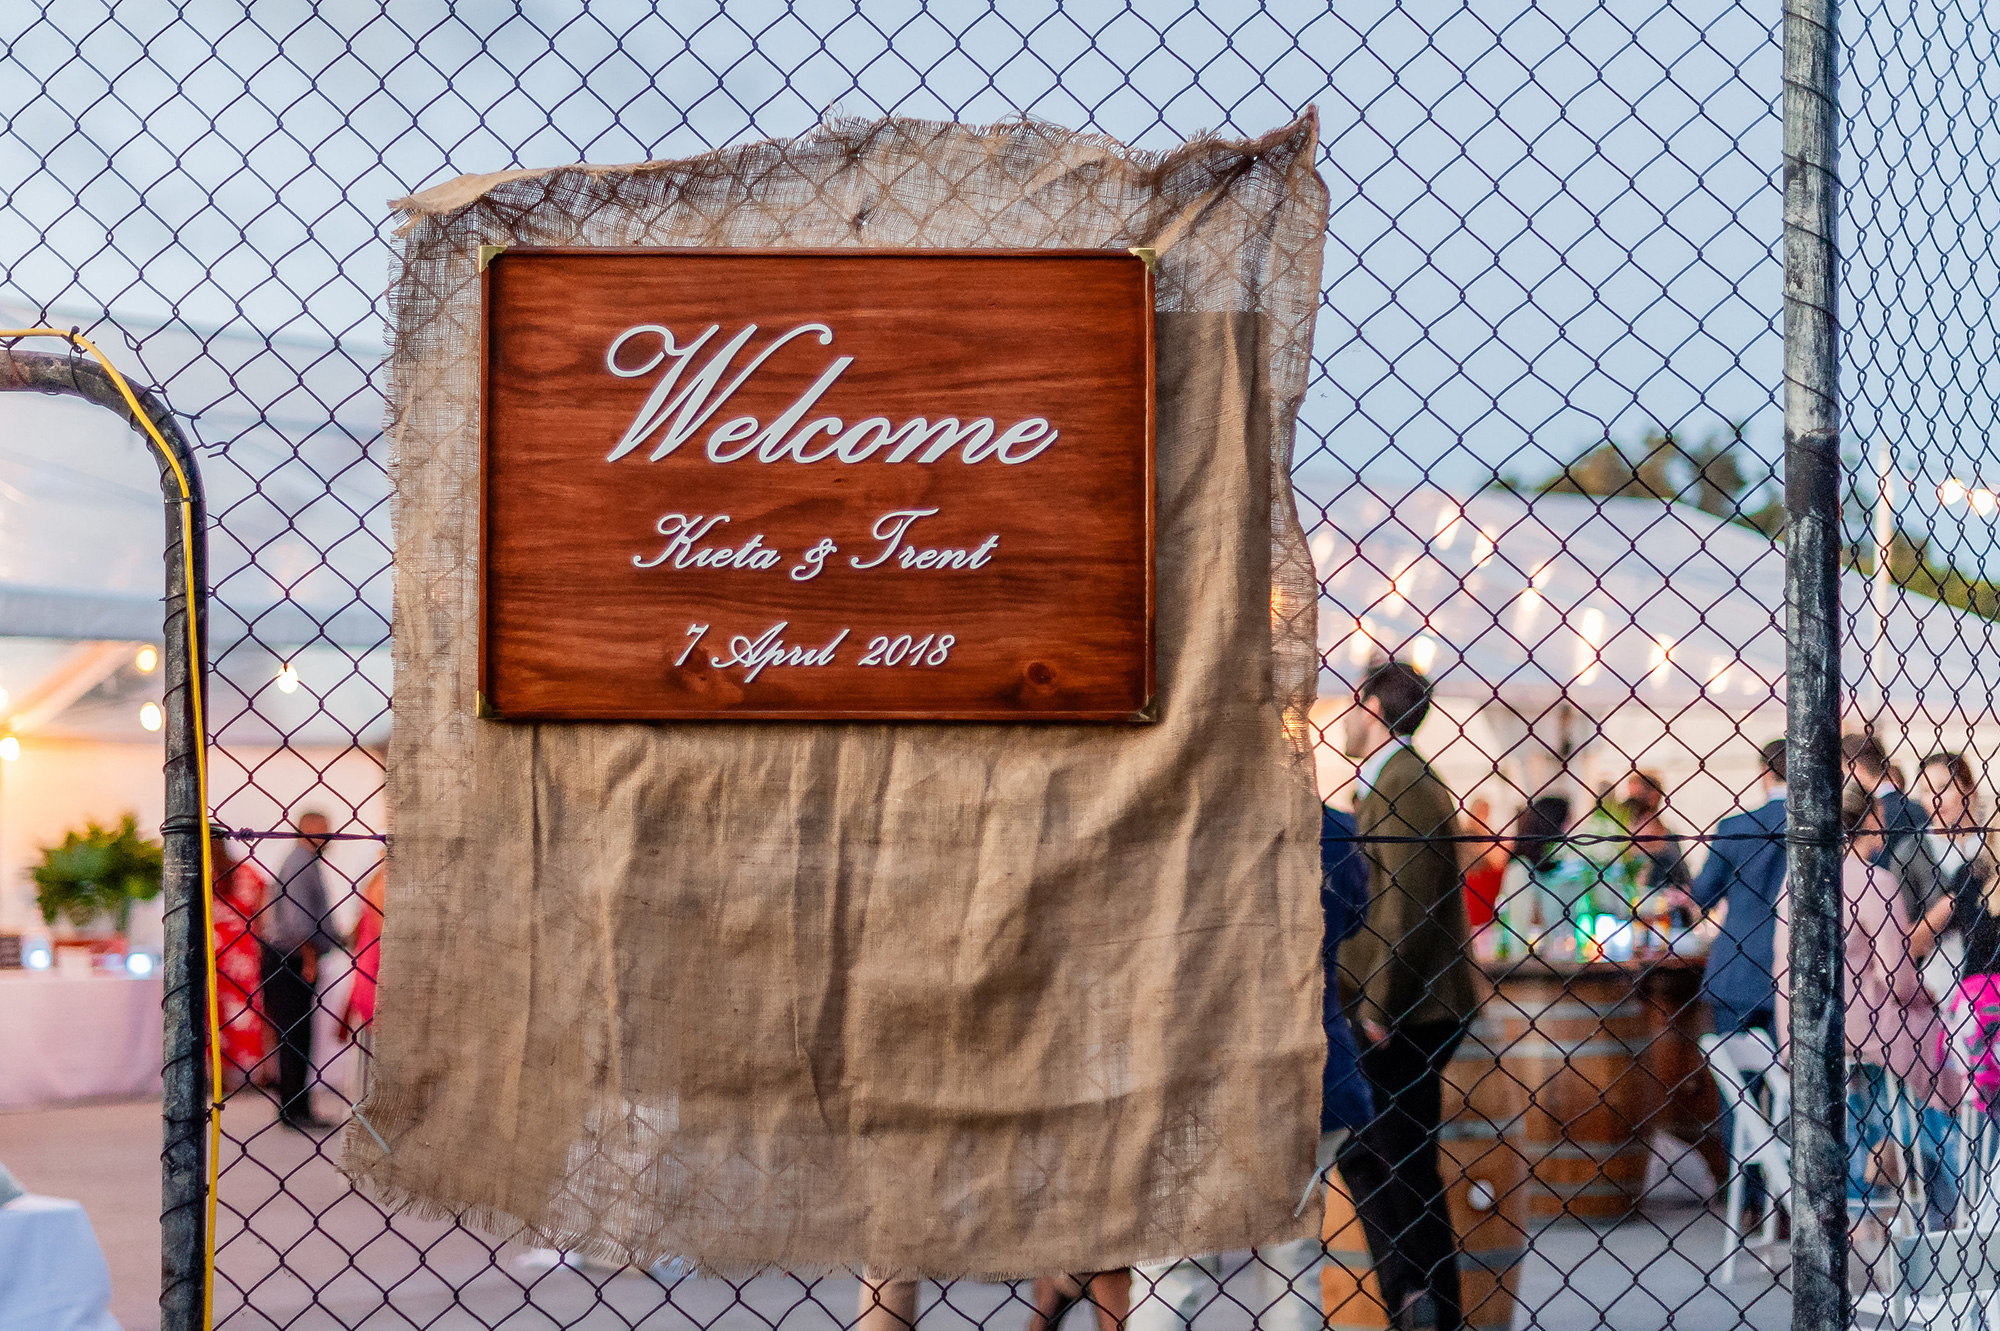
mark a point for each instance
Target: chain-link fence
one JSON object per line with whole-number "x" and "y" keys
{"x": 1540, "y": 466}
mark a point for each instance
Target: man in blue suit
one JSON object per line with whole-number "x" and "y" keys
{"x": 1746, "y": 867}
{"x": 1346, "y": 1103}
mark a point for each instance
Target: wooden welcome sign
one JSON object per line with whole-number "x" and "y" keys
{"x": 817, "y": 484}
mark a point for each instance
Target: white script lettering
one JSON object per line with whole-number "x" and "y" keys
{"x": 682, "y": 532}
{"x": 815, "y": 559}
{"x": 692, "y": 408}
{"x": 769, "y": 649}
{"x": 676, "y": 411}
{"x": 695, "y": 632}
{"x": 891, "y": 528}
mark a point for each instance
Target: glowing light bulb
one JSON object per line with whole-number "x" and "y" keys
{"x": 288, "y": 678}
{"x": 146, "y": 660}
{"x": 1321, "y": 546}
{"x": 1528, "y": 607}
{"x": 1401, "y": 582}
{"x": 1951, "y": 492}
{"x": 1447, "y": 527}
{"x": 10, "y": 748}
{"x": 149, "y": 716}
{"x": 138, "y": 964}
{"x": 1423, "y": 653}
{"x": 1984, "y": 501}
{"x": 1589, "y": 645}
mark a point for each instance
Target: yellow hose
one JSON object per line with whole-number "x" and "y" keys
{"x": 201, "y": 787}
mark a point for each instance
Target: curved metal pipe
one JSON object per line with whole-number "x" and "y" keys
{"x": 184, "y": 1166}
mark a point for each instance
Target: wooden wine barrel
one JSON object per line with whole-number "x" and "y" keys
{"x": 1348, "y": 1288}
{"x": 1576, "y": 1042}
{"x": 1486, "y": 1179}
{"x": 1485, "y": 1176}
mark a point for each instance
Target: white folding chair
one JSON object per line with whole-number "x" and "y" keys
{"x": 1759, "y": 1093}
{"x": 1915, "y": 1267}
{"x": 1949, "y": 1280}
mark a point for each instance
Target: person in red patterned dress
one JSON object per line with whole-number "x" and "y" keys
{"x": 240, "y": 890}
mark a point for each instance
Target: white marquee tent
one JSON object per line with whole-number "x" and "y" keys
{"x": 1572, "y": 639}
{"x": 1609, "y": 604}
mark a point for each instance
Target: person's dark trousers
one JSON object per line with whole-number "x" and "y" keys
{"x": 288, "y": 1005}
{"x": 1391, "y": 1168}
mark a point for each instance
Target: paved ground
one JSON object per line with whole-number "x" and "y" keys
{"x": 1658, "y": 1269}
{"x": 108, "y": 1158}
{"x": 356, "y": 1270}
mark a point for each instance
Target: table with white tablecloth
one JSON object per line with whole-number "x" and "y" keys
{"x": 73, "y": 1037}
{"x": 52, "y": 1271}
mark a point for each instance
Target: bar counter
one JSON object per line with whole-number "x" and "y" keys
{"x": 1577, "y": 1065}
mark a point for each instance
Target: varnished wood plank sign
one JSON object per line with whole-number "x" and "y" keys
{"x": 817, "y": 484}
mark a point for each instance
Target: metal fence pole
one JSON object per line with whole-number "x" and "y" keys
{"x": 184, "y": 1150}
{"x": 1812, "y": 668}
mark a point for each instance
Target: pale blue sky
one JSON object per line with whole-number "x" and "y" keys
{"x": 1549, "y": 221}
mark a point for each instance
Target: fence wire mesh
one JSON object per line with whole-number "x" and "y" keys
{"x": 1538, "y": 467}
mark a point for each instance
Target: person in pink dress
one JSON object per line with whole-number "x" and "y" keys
{"x": 1892, "y": 1024}
{"x": 360, "y": 1009}
{"x": 240, "y": 891}
{"x": 1484, "y": 852}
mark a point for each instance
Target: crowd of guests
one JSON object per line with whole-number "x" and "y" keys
{"x": 1920, "y": 890}
{"x": 1920, "y": 916}
{"x": 1410, "y": 881}
{"x": 272, "y": 936}
{"x": 1413, "y": 883}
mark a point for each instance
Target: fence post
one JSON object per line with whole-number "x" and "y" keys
{"x": 1812, "y": 670}
{"x": 184, "y": 1210}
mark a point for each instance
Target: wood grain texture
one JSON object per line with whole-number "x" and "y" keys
{"x": 1054, "y": 624}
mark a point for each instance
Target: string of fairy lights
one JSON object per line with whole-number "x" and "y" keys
{"x": 1981, "y": 500}
{"x": 150, "y": 717}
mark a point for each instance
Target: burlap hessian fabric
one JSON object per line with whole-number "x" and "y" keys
{"x": 945, "y": 999}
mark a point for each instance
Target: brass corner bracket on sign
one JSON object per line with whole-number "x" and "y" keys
{"x": 483, "y": 709}
{"x": 1150, "y": 712}
{"x": 1145, "y": 254}
{"x": 488, "y": 253}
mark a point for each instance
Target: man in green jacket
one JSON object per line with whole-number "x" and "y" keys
{"x": 1410, "y": 986}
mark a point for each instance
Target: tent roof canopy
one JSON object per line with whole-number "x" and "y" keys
{"x": 299, "y": 544}
{"x": 1605, "y": 603}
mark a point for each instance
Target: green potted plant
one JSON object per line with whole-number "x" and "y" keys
{"x": 97, "y": 872}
